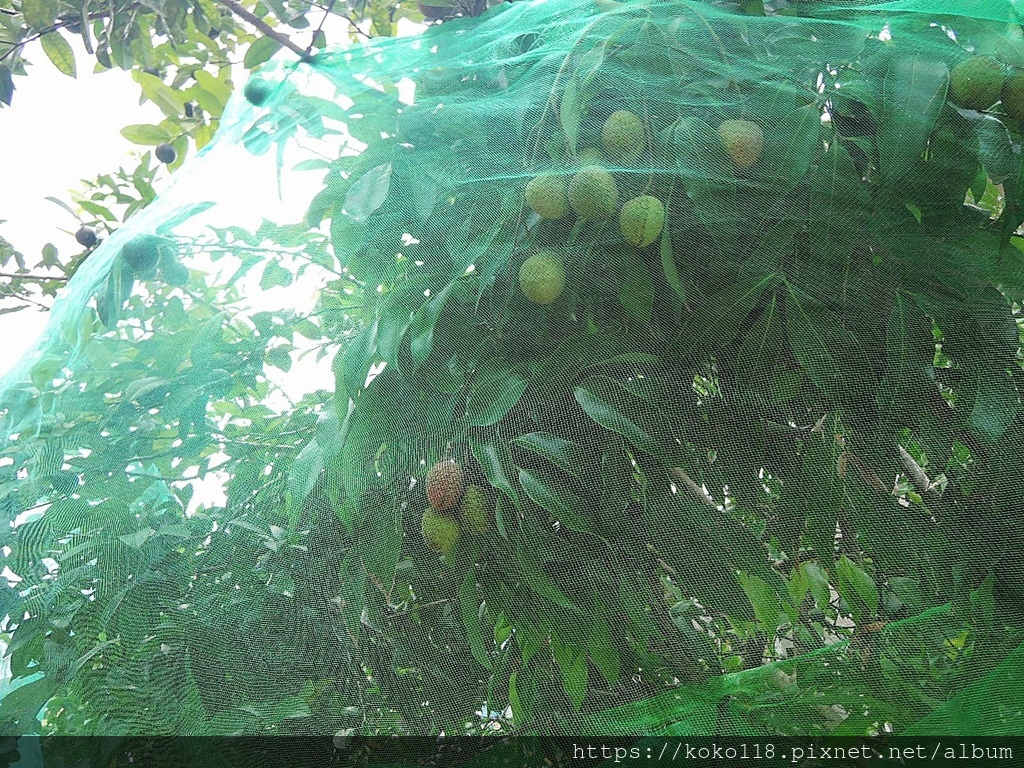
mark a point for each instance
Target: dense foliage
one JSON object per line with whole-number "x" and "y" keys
{"x": 771, "y": 418}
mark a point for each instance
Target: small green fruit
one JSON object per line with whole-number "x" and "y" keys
{"x": 641, "y": 220}
{"x": 546, "y": 194}
{"x": 257, "y": 92}
{"x": 142, "y": 253}
{"x": 475, "y": 510}
{"x": 1013, "y": 96}
{"x": 593, "y": 193}
{"x": 440, "y": 532}
{"x": 542, "y": 277}
{"x": 623, "y": 136}
{"x": 445, "y": 482}
{"x": 743, "y": 140}
{"x": 174, "y": 273}
{"x": 590, "y": 156}
{"x": 166, "y": 154}
{"x": 976, "y": 82}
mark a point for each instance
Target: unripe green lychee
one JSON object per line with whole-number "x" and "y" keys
{"x": 440, "y": 532}
{"x": 623, "y": 136}
{"x": 546, "y": 194}
{"x": 542, "y": 277}
{"x": 475, "y": 510}
{"x": 743, "y": 140}
{"x": 590, "y": 156}
{"x": 976, "y": 82}
{"x": 257, "y": 91}
{"x": 641, "y": 220}
{"x": 445, "y": 482}
{"x": 142, "y": 253}
{"x": 593, "y": 193}
{"x": 1013, "y": 96}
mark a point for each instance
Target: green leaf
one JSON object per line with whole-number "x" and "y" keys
{"x": 719, "y": 317}
{"x": 421, "y": 328}
{"x": 912, "y": 95}
{"x": 58, "y": 50}
{"x": 636, "y": 291}
{"x": 857, "y": 588}
{"x": 368, "y": 193}
{"x": 603, "y": 649}
{"x": 574, "y": 677}
{"x": 495, "y": 396}
{"x": 769, "y": 606}
{"x": 469, "y": 609}
{"x": 260, "y": 51}
{"x": 39, "y": 14}
{"x": 496, "y": 462}
{"x": 668, "y": 265}
{"x": 148, "y": 135}
{"x": 612, "y": 406}
{"x": 790, "y": 147}
{"x": 564, "y": 454}
{"x": 837, "y": 200}
{"x": 169, "y": 101}
{"x": 275, "y": 275}
{"x": 831, "y": 356}
{"x": 537, "y": 579}
{"x": 577, "y": 94}
{"x": 302, "y": 476}
{"x": 553, "y": 495}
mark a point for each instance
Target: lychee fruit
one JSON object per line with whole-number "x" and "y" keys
{"x": 593, "y": 193}
{"x": 440, "y": 532}
{"x": 142, "y": 253}
{"x": 445, "y": 482}
{"x": 743, "y": 140}
{"x": 641, "y": 220}
{"x": 1013, "y": 96}
{"x": 542, "y": 277}
{"x": 623, "y": 136}
{"x": 475, "y": 510}
{"x": 257, "y": 92}
{"x": 590, "y": 156}
{"x": 546, "y": 194}
{"x": 976, "y": 82}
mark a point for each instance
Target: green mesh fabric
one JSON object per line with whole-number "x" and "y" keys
{"x": 341, "y": 435}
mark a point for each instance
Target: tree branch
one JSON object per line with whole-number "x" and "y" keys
{"x": 32, "y": 278}
{"x": 265, "y": 28}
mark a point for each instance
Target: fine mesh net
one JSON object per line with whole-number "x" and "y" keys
{"x": 641, "y": 369}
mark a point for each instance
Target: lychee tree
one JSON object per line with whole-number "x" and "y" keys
{"x": 669, "y": 343}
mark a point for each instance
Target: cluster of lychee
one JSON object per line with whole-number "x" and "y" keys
{"x": 591, "y": 193}
{"x": 454, "y": 507}
{"x": 979, "y": 81}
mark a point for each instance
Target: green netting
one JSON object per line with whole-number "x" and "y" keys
{"x": 640, "y": 369}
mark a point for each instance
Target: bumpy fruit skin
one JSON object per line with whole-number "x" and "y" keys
{"x": 440, "y": 532}
{"x": 1013, "y": 96}
{"x": 475, "y": 510}
{"x": 641, "y": 220}
{"x": 623, "y": 136}
{"x": 593, "y": 193}
{"x": 546, "y": 194}
{"x": 166, "y": 154}
{"x": 976, "y": 82}
{"x": 743, "y": 140}
{"x": 86, "y": 236}
{"x": 445, "y": 482}
{"x": 142, "y": 253}
{"x": 542, "y": 277}
{"x": 257, "y": 92}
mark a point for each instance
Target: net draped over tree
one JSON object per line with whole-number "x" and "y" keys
{"x": 642, "y": 368}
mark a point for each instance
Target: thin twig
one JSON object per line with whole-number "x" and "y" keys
{"x": 265, "y": 28}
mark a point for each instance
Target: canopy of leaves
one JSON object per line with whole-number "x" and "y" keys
{"x": 761, "y": 475}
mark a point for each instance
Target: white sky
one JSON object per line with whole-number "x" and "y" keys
{"x": 58, "y": 131}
